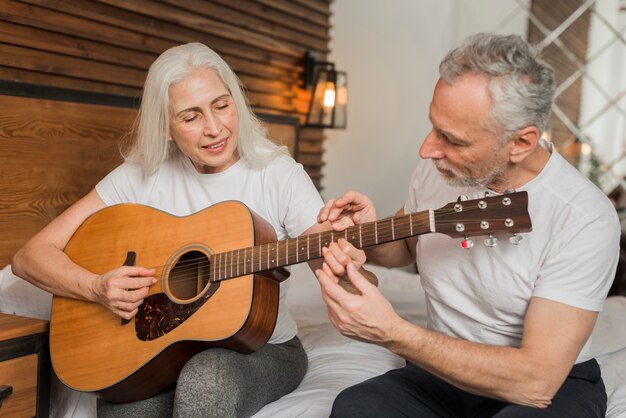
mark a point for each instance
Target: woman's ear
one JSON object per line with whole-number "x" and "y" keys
{"x": 524, "y": 143}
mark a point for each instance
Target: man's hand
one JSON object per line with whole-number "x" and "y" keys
{"x": 122, "y": 290}
{"x": 366, "y": 316}
{"x": 338, "y": 255}
{"x": 351, "y": 208}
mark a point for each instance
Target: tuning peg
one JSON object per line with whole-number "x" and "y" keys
{"x": 461, "y": 198}
{"x": 467, "y": 243}
{"x": 516, "y": 239}
{"x": 491, "y": 241}
{"x": 509, "y": 191}
{"x": 487, "y": 194}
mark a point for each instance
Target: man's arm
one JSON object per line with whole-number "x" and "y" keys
{"x": 554, "y": 334}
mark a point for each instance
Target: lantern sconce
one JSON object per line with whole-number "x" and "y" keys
{"x": 329, "y": 98}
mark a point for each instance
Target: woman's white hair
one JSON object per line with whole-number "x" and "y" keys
{"x": 151, "y": 145}
{"x": 522, "y": 86}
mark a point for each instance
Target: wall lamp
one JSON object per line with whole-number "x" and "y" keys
{"x": 329, "y": 99}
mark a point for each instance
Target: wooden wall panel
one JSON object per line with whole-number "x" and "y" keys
{"x": 565, "y": 59}
{"x": 52, "y": 152}
{"x": 106, "y": 46}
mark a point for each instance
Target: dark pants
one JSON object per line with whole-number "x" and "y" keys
{"x": 413, "y": 392}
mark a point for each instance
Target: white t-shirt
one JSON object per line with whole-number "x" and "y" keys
{"x": 482, "y": 294}
{"x": 281, "y": 193}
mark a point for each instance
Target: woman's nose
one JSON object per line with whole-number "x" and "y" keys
{"x": 213, "y": 125}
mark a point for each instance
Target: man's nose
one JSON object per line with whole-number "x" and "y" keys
{"x": 431, "y": 147}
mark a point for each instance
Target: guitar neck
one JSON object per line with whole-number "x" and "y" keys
{"x": 277, "y": 254}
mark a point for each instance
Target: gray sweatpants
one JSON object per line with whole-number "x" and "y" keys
{"x": 222, "y": 383}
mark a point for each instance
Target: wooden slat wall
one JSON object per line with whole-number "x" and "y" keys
{"x": 107, "y": 46}
{"x": 552, "y": 14}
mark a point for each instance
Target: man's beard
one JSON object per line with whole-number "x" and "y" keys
{"x": 493, "y": 177}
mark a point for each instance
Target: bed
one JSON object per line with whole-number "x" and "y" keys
{"x": 52, "y": 152}
{"x": 335, "y": 362}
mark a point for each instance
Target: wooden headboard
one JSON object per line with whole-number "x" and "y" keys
{"x": 54, "y": 150}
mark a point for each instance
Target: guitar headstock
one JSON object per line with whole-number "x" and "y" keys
{"x": 492, "y": 215}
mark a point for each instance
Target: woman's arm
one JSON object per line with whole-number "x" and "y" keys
{"x": 42, "y": 262}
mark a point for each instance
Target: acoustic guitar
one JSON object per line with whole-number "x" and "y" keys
{"x": 218, "y": 274}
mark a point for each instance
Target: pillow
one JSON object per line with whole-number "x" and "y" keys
{"x": 19, "y": 297}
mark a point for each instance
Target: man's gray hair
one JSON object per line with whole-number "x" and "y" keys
{"x": 522, "y": 85}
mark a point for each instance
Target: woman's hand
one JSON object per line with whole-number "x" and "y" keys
{"x": 122, "y": 290}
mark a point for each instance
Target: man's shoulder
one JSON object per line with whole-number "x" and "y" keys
{"x": 567, "y": 187}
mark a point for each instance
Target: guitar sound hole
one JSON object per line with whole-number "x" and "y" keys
{"x": 190, "y": 275}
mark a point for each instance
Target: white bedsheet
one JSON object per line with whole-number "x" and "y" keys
{"x": 336, "y": 362}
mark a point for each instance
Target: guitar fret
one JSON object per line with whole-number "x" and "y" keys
{"x": 319, "y": 244}
{"x": 308, "y": 250}
{"x": 220, "y": 273}
{"x": 224, "y": 264}
{"x": 393, "y": 230}
{"x": 376, "y": 232}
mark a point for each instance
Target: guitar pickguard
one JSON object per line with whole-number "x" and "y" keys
{"x": 158, "y": 315}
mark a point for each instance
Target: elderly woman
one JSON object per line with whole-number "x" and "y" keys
{"x": 197, "y": 144}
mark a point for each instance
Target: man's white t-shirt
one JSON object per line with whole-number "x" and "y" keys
{"x": 281, "y": 193}
{"x": 482, "y": 294}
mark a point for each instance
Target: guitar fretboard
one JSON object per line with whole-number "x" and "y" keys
{"x": 272, "y": 255}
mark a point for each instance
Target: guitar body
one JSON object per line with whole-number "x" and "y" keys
{"x": 93, "y": 350}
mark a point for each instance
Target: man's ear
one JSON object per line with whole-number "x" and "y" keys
{"x": 524, "y": 143}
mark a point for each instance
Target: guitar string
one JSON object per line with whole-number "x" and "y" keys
{"x": 193, "y": 265}
{"x": 403, "y": 221}
{"x": 190, "y": 273}
{"x": 206, "y": 262}
{"x": 259, "y": 251}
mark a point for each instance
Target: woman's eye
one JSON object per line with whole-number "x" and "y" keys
{"x": 189, "y": 119}
{"x": 222, "y": 106}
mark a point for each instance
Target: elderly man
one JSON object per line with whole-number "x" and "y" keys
{"x": 509, "y": 326}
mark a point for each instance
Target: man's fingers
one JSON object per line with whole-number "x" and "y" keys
{"x": 335, "y": 260}
{"x": 341, "y": 224}
{"x": 323, "y": 215}
{"x": 357, "y": 279}
{"x": 351, "y": 252}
